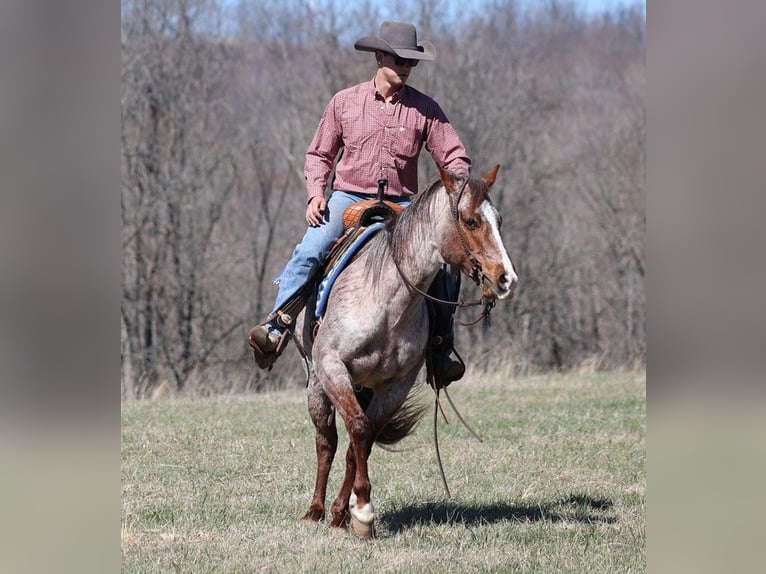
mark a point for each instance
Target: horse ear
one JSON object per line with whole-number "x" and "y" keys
{"x": 489, "y": 178}
{"x": 448, "y": 179}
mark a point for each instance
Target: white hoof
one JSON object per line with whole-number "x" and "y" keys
{"x": 363, "y": 520}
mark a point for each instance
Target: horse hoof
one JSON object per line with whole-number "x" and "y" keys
{"x": 365, "y": 531}
{"x": 363, "y": 521}
{"x": 314, "y": 515}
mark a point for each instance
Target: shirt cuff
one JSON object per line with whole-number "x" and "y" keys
{"x": 313, "y": 194}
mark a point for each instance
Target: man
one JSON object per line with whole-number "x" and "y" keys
{"x": 380, "y": 126}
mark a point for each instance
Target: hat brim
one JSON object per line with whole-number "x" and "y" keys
{"x": 426, "y": 50}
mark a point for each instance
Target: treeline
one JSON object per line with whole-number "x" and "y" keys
{"x": 220, "y": 100}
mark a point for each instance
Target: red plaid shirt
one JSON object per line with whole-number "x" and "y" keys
{"x": 380, "y": 140}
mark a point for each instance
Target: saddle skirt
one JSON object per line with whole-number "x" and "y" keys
{"x": 348, "y": 245}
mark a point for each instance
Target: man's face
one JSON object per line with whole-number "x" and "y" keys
{"x": 396, "y": 69}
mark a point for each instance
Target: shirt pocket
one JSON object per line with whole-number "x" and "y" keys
{"x": 405, "y": 142}
{"x": 356, "y": 133}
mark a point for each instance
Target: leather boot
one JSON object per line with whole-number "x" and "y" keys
{"x": 443, "y": 362}
{"x": 270, "y": 338}
{"x": 267, "y": 343}
{"x": 452, "y": 369}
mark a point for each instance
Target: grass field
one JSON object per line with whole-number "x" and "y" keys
{"x": 557, "y": 485}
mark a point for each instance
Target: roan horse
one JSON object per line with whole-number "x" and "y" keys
{"x": 374, "y": 334}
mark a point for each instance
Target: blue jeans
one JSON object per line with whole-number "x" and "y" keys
{"x": 311, "y": 252}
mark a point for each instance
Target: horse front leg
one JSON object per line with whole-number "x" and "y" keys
{"x": 362, "y": 513}
{"x": 336, "y": 382}
{"x": 340, "y": 507}
{"x": 323, "y": 416}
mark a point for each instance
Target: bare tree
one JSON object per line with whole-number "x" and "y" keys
{"x": 216, "y": 118}
{"x": 179, "y": 172}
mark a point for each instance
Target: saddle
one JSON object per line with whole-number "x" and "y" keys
{"x": 361, "y": 221}
{"x": 356, "y": 219}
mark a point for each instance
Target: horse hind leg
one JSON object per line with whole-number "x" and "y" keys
{"x": 323, "y": 416}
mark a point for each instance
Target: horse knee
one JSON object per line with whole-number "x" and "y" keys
{"x": 320, "y": 408}
{"x": 359, "y": 429}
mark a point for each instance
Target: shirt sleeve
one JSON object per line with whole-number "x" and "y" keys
{"x": 445, "y": 146}
{"x": 322, "y": 151}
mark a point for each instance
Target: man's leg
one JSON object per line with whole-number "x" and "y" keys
{"x": 269, "y": 338}
{"x": 442, "y": 363}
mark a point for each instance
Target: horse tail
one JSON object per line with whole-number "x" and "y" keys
{"x": 404, "y": 420}
{"x": 402, "y": 423}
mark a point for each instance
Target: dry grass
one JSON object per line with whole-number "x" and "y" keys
{"x": 558, "y": 485}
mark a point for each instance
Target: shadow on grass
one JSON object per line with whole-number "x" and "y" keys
{"x": 573, "y": 508}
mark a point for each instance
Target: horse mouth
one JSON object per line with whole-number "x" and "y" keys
{"x": 493, "y": 290}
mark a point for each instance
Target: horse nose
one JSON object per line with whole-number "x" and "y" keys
{"x": 507, "y": 284}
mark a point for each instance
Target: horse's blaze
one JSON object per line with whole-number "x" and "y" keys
{"x": 493, "y": 256}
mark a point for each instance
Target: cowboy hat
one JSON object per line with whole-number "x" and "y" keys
{"x": 397, "y": 38}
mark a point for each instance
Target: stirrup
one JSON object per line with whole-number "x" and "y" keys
{"x": 265, "y": 359}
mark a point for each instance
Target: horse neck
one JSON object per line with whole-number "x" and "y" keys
{"x": 418, "y": 256}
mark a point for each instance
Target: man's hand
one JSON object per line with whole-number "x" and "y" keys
{"x": 315, "y": 211}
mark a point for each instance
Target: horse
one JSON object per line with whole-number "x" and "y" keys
{"x": 370, "y": 345}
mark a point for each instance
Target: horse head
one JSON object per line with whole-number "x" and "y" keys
{"x": 476, "y": 246}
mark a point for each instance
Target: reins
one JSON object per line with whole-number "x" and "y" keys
{"x": 478, "y": 276}
{"x": 437, "y": 409}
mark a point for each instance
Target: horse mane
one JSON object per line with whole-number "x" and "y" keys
{"x": 390, "y": 242}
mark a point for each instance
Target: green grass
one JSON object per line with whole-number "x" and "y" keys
{"x": 557, "y": 485}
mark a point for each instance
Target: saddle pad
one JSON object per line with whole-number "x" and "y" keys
{"x": 323, "y": 291}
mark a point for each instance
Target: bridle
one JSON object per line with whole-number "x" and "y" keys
{"x": 476, "y": 272}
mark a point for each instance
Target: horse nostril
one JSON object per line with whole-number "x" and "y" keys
{"x": 507, "y": 283}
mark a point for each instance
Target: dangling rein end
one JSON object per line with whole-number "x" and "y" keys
{"x": 437, "y": 409}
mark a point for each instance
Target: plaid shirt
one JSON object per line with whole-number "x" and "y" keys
{"x": 380, "y": 140}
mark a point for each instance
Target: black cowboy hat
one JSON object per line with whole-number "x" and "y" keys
{"x": 397, "y": 38}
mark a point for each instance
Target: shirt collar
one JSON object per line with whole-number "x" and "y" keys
{"x": 400, "y": 95}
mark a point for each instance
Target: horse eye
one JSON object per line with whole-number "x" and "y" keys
{"x": 470, "y": 222}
